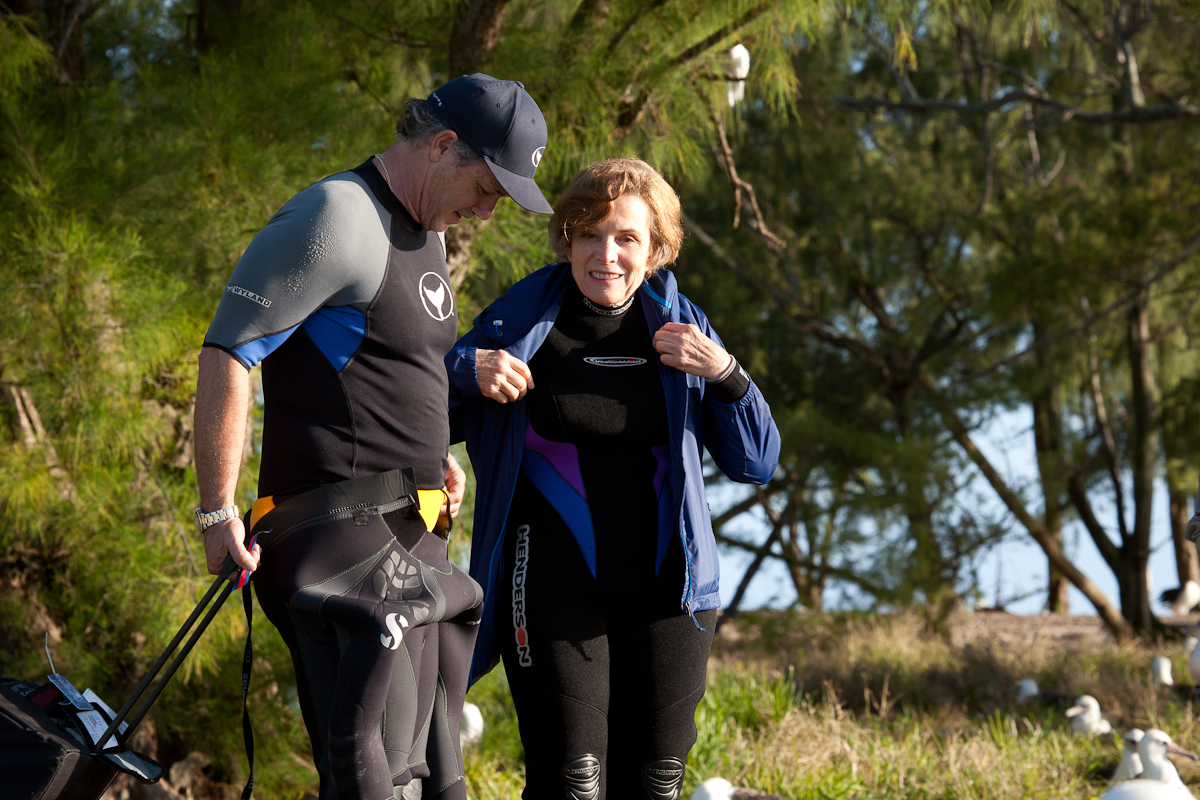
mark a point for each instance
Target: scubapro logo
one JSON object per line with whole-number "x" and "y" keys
{"x": 396, "y": 625}
{"x": 615, "y": 361}
{"x": 249, "y": 295}
{"x": 436, "y": 296}
{"x": 518, "y": 596}
{"x": 537, "y": 156}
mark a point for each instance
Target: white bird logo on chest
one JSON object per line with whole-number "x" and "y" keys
{"x": 436, "y": 296}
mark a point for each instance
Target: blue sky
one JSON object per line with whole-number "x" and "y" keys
{"x": 1018, "y": 562}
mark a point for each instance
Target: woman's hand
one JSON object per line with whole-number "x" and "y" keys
{"x": 686, "y": 348}
{"x": 501, "y": 377}
{"x": 456, "y": 485}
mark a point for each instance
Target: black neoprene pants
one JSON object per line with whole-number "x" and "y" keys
{"x": 606, "y": 705}
{"x": 381, "y": 627}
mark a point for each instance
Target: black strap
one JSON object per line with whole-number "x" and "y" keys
{"x": 247, "y": 660}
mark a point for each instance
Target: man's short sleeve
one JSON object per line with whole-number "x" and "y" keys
{"x": 327, "y": 246}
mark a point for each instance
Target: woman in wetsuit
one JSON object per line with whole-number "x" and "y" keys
{"x": 585, "y": 395}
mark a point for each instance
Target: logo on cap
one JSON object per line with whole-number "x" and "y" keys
{"x": 537, "y": 156}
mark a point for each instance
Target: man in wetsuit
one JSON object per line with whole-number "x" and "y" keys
{"x": 345, "y": 300}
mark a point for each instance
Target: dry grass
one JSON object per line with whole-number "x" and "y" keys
{"x": 823, "y": 706}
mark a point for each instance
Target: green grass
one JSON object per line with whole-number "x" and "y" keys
{"x": 853, "y": 706}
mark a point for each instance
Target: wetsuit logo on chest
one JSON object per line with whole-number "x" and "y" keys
{"x": 614, "y": 361}
{"x": 436, "y": 296}
{"x": 518, "y": 596}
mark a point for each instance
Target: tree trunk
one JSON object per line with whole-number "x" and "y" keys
{"x": 1180, "y": 473}
{"x": 222, "y": 12}
{"x": 475, "y": 36}
{"x": 1047, "y": 437}
{"x": 1037, "y": 529}
{"x": 1187, "y": 560}
{"x": 1144, "y": 451}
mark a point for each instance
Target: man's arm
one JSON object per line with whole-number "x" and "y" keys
{"x": 222, "y": 396}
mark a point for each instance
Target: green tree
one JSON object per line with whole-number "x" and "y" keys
{"x": 974, "y": 275}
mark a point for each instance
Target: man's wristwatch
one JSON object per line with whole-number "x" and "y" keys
{"x": 206, "y": 519}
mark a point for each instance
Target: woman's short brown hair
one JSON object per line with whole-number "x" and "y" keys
{"x": 589, "y": 200}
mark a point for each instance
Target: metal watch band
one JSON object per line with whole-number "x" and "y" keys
{"x": 206, "y": 519}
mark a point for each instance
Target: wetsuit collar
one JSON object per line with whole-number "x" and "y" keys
{"x": 383, "y": 194}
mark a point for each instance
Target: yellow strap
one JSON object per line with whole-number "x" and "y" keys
{"x": 430, "y": 500}
{"x": 260, "y": 508}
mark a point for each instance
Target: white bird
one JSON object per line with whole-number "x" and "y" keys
{"x": 1026, "y": 689}
{"x": 1159, "y": 780}
{"x": 735, "y": 89}
{"x": 1131, "y": 762}
{"x": 713, "y": 789}
{"x": 470, "y": 727}
{"x": 1160, "y": 670}
{"x": 721, "y": 789}
{"x": 1194, "y": 664}
{"x": 1182, "y": 599}
{"x": 1086, "y": 719}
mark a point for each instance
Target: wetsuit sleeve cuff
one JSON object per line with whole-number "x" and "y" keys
{"x": 462, "y": 370}
{"x": 231, "y": 352}
{"x": 733, "y": 386}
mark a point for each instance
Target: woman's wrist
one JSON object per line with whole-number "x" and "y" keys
{"x": 732, "y": 385}
{"x": 729, "y": 368}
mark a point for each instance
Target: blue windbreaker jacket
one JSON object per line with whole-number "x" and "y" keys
{"x": 740, "y": 436}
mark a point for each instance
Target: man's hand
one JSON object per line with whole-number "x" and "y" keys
{"x": 501, "y": 377}
{"x": 456, "y": 484}
{"x": 686, "y": 348}
{"x": 225, "y": 538}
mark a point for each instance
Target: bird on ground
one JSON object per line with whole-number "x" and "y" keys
{"x": 1026, "y": 690}
{"x": 1131, "y": 761}
{"x": 735, "y": 87}
{"x": 1159, "y": 779}
{"x": 1086, "y": 718}
{"x": 470, "y": 727}
{"x": 1160, "y": 671}
{"x": 1182, "y": 599}
{"x": 1193, "y": 658}
{"x": 721, "y": 789}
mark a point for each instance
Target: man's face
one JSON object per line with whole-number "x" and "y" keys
{"x": 456, "y": 192}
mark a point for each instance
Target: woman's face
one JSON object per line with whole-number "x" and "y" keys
{"x": 609, "y": 260}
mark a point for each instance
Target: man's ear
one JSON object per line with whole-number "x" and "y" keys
{"x": 440, "y": 144}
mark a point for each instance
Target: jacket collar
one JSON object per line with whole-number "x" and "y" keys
{"x": 534, "y": 300}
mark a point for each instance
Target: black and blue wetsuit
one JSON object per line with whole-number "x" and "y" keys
{"x": 605, "y": 668}
{"x": 347, "y": 304}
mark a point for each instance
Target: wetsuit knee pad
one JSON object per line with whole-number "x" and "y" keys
{"x": 662, "y": 778}
{"x": 581, "y": 777}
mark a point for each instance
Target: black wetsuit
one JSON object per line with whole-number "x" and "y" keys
{"x": 606, "y": 671}
{"x": 346, "y": 302}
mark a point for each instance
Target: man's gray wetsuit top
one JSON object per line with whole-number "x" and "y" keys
{"x": 346, "y": 303}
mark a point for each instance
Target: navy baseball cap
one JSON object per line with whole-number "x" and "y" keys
{"x": 502, "y": 123}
